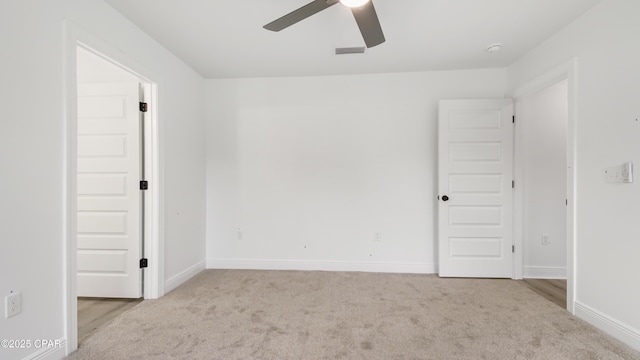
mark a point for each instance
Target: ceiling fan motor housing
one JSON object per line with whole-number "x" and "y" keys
{"x": 363, "y": 11}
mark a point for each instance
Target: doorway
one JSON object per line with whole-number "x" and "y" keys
{"x": 544, "y": 217}
{"x": 543, "y": 118}
{"x": 80, "y": 43}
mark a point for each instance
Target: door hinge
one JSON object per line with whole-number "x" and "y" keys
{"x": 143, "y": 106}
{"x": 143, "y": 263}
{"x": 144, "y": 185}
{"x": 513, "y": 248}
{"x": 513, "y": 184}
{"x": 566, "y": 202}
{"x": 513, "y": 119}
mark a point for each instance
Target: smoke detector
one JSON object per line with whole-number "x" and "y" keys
{"x": 493, "y": 48}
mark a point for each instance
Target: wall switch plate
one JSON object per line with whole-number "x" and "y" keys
{"x": 13, "y": 304}
{"x": 619, "y": 174}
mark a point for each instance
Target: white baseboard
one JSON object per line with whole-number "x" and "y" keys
{"x": 544, "y": 272}
{"x": 611, "y": 326}
{"x": 179, "y": 279}
{"x": 46, "y": 352}
{"x": 256, "y": 264}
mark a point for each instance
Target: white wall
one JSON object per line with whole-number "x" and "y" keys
{"x": 543, "y": 117}
{"x": 32, "y": 144}
{"x": 308, "y": 170}
{"x": 605, "y": 43}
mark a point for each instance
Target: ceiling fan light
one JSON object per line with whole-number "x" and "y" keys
{"x": 353, "y": 3}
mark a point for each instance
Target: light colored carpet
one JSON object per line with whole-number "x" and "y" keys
{"x": 235, "y": 314}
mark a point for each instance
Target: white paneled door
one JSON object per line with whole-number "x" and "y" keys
{"x": 109, "y": 200}
{"x": 475, "y": 167}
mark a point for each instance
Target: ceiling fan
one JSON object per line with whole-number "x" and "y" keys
{"x": 363, "y": 11}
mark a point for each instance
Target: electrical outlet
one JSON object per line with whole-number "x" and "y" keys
{"x": 239, "y": 233}
{"x": 377, "y": 237}
{"x": 544, "y": 240}
{"x": 13, "y": 304}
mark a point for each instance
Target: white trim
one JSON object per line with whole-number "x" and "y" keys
{"x": 572, "y": 80}
{"x": 154, "y": 241}
{"x": 260, "y": 264}
{"x": 544, "y": 272}
{"x": 518, "y": 195}
{"x": 49, "y": 353}
{"x": 550, "y": 77}
{"x": 567, "y": 70}
{"x": 70, "y": 203}
{"x": 183, "y": 276}
{"x": 75, "y": 36}
{"x": 611, "y": 326}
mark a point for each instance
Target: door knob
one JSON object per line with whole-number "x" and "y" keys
{"x": 445, "y": 198}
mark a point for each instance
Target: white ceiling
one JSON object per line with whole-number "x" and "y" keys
{"x": 225, "y": 38}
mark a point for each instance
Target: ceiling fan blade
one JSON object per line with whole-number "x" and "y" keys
{"x": 299, "y": 14}
{"x": 369, "y": 24}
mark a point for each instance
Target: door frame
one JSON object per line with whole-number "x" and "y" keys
{"x": 565, "y": 71}
{"x": 153, "y": 278}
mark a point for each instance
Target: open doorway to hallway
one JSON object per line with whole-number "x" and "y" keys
{"x": 542, "y": 153}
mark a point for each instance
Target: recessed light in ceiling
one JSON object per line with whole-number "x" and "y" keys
{"x": 494, "y": 48}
